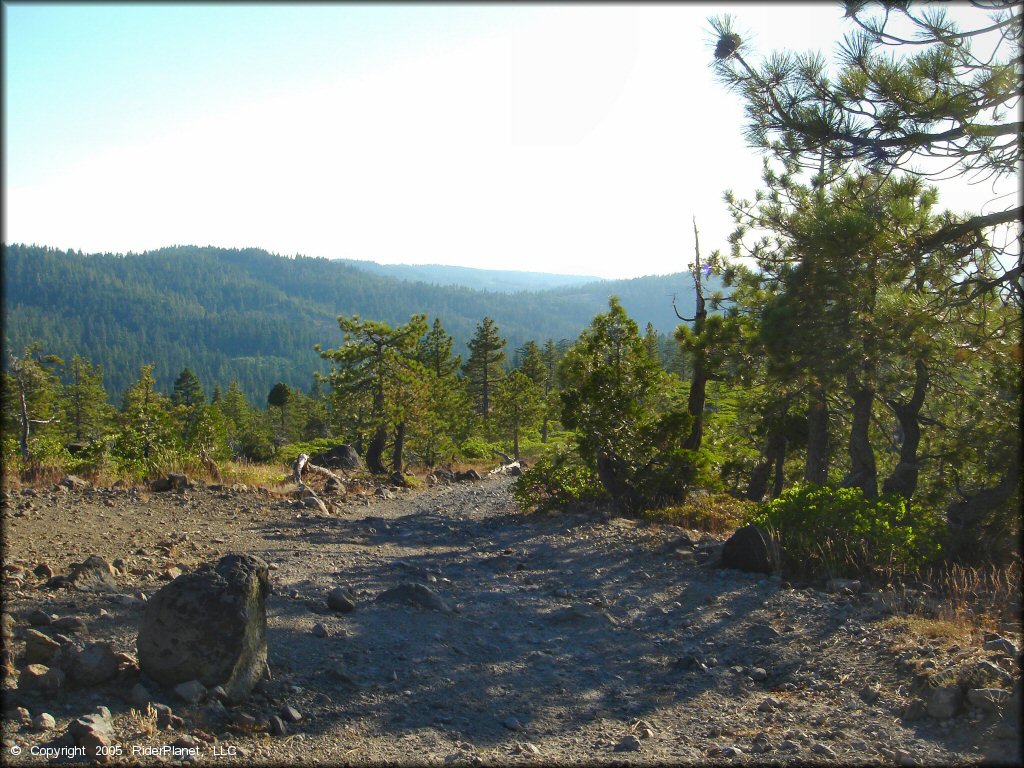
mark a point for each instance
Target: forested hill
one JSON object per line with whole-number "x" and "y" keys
{"x": 502, "y": 280}
{"x": 255, "y": 316}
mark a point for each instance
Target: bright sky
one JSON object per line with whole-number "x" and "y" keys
{"x": 574, "y": 139}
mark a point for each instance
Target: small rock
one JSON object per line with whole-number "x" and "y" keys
{"x": 846, "y": 586}
{"x": 165, "y": 718}
{"x": 758, "y": 674}
{"x": 312, "y": 502}
{"x": 1002, "y": 645}
{"x": 192, "y": 691}
{"x": 23, "y": 715}
{"x": 643, "y": 729}
{"x": 214, "y": 714}
{"x": 418, "y": 595}
{"x": 70, "y": 624}
{"x": 915, "y": 710}
{"x": 341, "y": 599}
{"x": 277, "y": 726}
{"x": 44, "y": 722}
{"x": 822, "y": 749}
{"x": 944, "y": 702}
{"x": 170, "y": 574}
{"x": 41, "y": 678}
{"x": 789, "y": 745}
{"x": 243, "y": 719}
{"x": 319, "y": 630}
{"x": 95, "y": 733}
{"x": 512, "y": 724}
{"x": 75, "y": 483}
{"x": 94, "y": 574}
{"x": 986, "y": 670}
{"x": 291, "y": 714}
{"x": 37, "y": 617}
{"x": 43, "y": 571}
{"x": 95, "y": 664}
{"x": 869, "y": 694}
{"x": 39, "y": 648}
{"x": 988, "y": 699}
{"x": 139, "y": 696}
{"x": 218, "y": 693}
{"x": 628, "y": 743}
{"x": 768, "y": 705}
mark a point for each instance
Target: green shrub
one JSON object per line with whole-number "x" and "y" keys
{"x": 838, "y": 531}
{"x": 559, "y": 477}
{"x": 289, "y": 453}
{"x": 476, "y": 448}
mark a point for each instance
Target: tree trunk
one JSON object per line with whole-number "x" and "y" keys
{"x": 375, "y": 451}
{"x": 396, "y": 454}
{"x": 968, "y": 512}
{"x": 610, "y": 473}
{"x": 774, "y": 457}
{"x": 863, "y": 473}
{"x": 698, "y": 382}
{"x": 903, "y": 479}
{"x": 515, "y": 436}
{"x": 816, "y": 467}
{"x": 695, "y": 405}
{"x": 485, "y": 394}
{"x": 24, "y": 421}
{"x": 780, "y": 462}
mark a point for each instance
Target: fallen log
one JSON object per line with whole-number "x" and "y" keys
{"x": 303, "y": 464}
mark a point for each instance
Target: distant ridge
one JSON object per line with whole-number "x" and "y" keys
{"x": 254, "y": 316}
{"x": 503, "y": 280}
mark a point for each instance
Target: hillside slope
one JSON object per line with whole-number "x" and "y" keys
{"x": 255, "y": 316}
{"x": 501, "y": 280}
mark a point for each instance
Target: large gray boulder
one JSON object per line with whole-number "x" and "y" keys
{"x": 339, "y": 457}
{"x": 209, "y": 625}
{"x": 752, "y": 549}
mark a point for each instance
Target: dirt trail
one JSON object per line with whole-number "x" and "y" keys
{"x": 570, "y": 639}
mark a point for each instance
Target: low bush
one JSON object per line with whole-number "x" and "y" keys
{"x": 559, "y": 477}
{"x": 476, "y": 448}
{"x": 836, "y": 531}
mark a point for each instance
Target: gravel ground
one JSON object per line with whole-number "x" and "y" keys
{"x": 570, "y": 639}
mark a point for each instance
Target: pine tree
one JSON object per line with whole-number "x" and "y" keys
{"x": 86, "y": 412}
{"x": 146, "y": 436}
{"x": 518, "y": 405}
{"x": 531, "y": 362}
{"x": 447, "y": 420}
{"x": 380, "y": 360}
{"x": 550, "y": 357}
{"x": 911, "y": 94}
{"x": 32, "y": 392}
{"x": 483, "y": 368}
{"x": 188, "y": 390}
{"x": 620, "y": 403}
{"x": 280, "y": 396}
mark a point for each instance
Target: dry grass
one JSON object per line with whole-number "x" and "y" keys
{"x": 713, "y": 513}
{"x": 961, "y": 600}
{"x": 913, "y": 629}
{"x": 142, "y": 723}
{"x": 246, "y": 473}
{"x": 987, "y": 596}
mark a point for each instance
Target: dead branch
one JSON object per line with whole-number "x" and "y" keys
{"x": 302, "y": 464}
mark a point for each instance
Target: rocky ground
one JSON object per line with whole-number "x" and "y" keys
{"x": 553, "y": 638}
